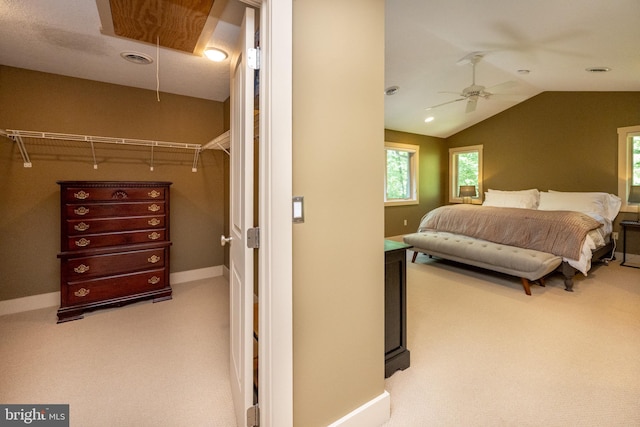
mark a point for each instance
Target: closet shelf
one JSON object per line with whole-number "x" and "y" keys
{"x": 221, "y": 142}
{"x": 22, "y": 136}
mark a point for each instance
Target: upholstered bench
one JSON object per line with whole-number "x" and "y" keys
{"x": 528, "y": 264}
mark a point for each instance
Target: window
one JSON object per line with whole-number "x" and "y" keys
{"x": 628, "y": 163}
{"x": 401, "y": 175}
{"x": 465, "y": 168}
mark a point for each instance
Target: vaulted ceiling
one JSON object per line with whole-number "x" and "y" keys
{"x": 525, "y": 48}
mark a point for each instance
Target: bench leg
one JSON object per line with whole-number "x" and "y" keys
{"x": 526, "y": 286}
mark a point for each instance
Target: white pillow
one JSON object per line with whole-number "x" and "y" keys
{"x": 509, "y": 200}
{"x": 605, "y": 204}
{"x": 527, "y": 199}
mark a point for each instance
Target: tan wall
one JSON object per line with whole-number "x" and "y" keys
{"x": 29, "y": 197}
{"x": 433, "y": 180}
{"x": 338, "y": 164}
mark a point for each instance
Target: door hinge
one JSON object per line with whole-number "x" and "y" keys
{"x": 253, "y": 238}
{"x": 253, "y": 416}
{"x": 253, "y": 57}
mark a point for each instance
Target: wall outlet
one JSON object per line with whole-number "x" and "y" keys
{"x": 405, "y": 222}
{"x": 614, "y": 235}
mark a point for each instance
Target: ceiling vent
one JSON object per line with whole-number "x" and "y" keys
{"x": 391, "y": 90}
{"x": 598, "y": 69}
{"x": 137, "y": 58}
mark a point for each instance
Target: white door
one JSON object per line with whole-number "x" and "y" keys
{"x": 241, "y": 219}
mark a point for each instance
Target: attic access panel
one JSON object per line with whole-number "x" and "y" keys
{"x": 175, "y": 24}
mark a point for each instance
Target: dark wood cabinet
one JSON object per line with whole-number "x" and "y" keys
{"x": 114, "y": 244}
{"x": 397, "y": 356}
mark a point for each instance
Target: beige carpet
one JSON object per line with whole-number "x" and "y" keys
{"x": 482, "y": 354}
{"x": 485, "y": 354}
{"x": 163, "y": 364}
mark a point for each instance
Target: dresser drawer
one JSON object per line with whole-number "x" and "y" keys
{"x": 115, "y": 263}
{"x": 105, "y": 288}
{"x": 101, "y": 210}
{"x": 91, "y": 194}
{"x": 91, "y": 241}
{"x": 79, "y": 227}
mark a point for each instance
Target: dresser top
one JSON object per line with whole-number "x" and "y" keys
{"x": 113, "y": 183}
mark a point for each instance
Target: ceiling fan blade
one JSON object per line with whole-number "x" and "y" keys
{"x": 502, "y": 86}
{"x": 445, "y": 103}
{"x": 471, "y": 104}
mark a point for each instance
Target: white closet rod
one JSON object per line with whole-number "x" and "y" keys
{"x": 18, "y": 135}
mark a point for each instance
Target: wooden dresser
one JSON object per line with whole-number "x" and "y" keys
{"x": 114, "y": 244}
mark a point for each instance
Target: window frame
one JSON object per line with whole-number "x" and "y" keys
{"x": 414, "y": 168}
{"x": 453, "y": 178}
{"x": 625, "y": 165}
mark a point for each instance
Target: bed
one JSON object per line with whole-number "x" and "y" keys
{"x": 526, "y": 233}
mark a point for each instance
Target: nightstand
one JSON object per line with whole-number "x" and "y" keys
{"x": 627, "y": 224}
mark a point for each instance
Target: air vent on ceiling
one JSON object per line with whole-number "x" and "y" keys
{"x": 137, "y": 58}
{"x": 598, "y": 69}
{"x": 391, "y": 90}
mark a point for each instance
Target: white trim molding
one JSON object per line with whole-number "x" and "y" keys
{"x": 624, "y": 165}
{"x": 373, "y": 413}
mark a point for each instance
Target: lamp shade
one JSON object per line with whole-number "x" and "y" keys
{"x": 634, "y": 194}
{"x": 468, "y": 191}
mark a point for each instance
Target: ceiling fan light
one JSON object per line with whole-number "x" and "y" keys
{"x": 215, "y": 54}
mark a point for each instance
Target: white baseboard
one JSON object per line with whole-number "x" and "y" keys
{"x": 373, "y": 413}
{"x": 198, "y": 274}
{"x": 35, "y": 302}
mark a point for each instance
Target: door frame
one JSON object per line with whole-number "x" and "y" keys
{"x": 275, "y": 275}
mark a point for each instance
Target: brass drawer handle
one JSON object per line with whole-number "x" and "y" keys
{"x": 153, "y": 259}
{"x": 81, "y": 210}
{"x": 83, "y": 242}
{"x": 82, "y": 292}
{"x": 154, "y": 236}
{"x": 153, "y": 221}
{"x": 154, "y": 208}
{"x": 81, "y": 268}
{"x": 154, "y": 194}
{"x": 81, "y": 195}
{"x": 154, "y": 280}
{"x": 81, "y": 227}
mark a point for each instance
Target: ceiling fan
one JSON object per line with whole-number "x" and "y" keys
{"x": 474, "y": 92}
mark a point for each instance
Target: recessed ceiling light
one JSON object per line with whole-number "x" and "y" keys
{"x": 391, "y": 90}
{"x": 598, "y": 69}
{"x": 215, "y": 54}
{"x": 429, "y": 119}
{"x": 137, "y": 58}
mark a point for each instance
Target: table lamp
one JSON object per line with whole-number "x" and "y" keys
{"x": 469, "y": 191}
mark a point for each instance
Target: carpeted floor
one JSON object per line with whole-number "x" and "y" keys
{"x": 485, "y": 354}
{"x": 163, "y": 364}
{"x": 482, "y": 354}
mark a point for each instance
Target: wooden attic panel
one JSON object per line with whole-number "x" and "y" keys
{"x": 178, "y": 23}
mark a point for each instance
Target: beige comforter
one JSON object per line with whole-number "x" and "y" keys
{"x": 560, "y": 233}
